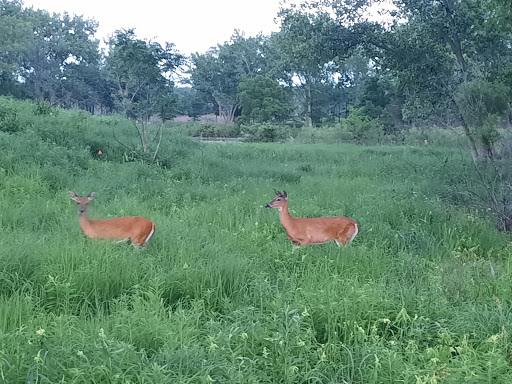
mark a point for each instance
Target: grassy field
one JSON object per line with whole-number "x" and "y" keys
{"x": 421, "y": 296}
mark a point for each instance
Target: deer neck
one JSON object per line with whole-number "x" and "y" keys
{"x": 85, "y": 222}
{"x": 285, "y": 217}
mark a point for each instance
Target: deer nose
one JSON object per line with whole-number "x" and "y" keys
{"x": 268, "y": 206}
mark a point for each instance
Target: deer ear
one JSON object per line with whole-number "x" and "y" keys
{"x": 73, "y": 195}
{"x": 285, "y": 195}
{"x": 90, "y": 196}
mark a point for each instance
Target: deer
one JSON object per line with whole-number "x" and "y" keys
{"x": 136, "y": 229}
{"x": 303, "y": 231}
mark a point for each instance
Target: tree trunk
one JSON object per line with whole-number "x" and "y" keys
{"x": 472, "y": 144}
{"x": 309, "y": 102}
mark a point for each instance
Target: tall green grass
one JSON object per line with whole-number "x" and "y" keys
{"x": 421, "y": 296}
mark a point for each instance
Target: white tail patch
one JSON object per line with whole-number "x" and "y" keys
{"x": 150, "y": 234}
{"x": 355, "y": 234}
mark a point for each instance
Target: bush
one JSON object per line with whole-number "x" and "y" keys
{"x": 360, "y": 127}
{"x": 484, "y": 105}
{"x": 266, "y": 132}
{"x": 197, "y": 129}
{"x": 9, "y": 121}
{"x": 45, "y": 108}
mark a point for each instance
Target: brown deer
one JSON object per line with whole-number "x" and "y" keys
{"x": 313, "y": 231}
{"x": 134, "y": 228}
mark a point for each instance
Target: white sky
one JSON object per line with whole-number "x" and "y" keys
{"x": 192, "y": 25}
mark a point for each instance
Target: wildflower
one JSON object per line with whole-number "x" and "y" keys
{"x": 300, "y": 343}
{"x": 265, "y": 352}
{"x": 494, "y": 338}
{"x": 38, "y": 358}
{"x": 185, "y": 266}
{"x": 80, "y": 354}
{"x": 40, "y": 332}
{"x": 360, "y": 329}
{"x": 100, "y": 152}
{"x": 294, "y": 369}
{"x": 213, "y": 346}
{"x": 305, "y": 312}
{"x": 244, "y": 336}
{"x": 102, "y": 333}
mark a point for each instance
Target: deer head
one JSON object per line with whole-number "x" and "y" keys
{"x": 280, "y": 201}
{"x": 82, "y": 202}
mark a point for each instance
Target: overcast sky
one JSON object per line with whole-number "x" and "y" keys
{"x": 192, "y": 25}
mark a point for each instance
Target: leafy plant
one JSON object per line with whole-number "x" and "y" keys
{"x": 9, "y": 121}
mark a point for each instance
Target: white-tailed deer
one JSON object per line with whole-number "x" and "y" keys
{"x": 316, "y": 230}
{"x": 134, "y": 228}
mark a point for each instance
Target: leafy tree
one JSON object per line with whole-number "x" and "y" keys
{"x": 16, "y": 32}
{"x": 58, "y": 44}
{"x": 432, "y": 48}
{"x": 262, "y": 100}
{"x": 484, "y": 104}
{"x": 305, "y": 52}
{"x": 218, "y": 72}
{"x": 46, "y": 51}
{"x": 193, "y": 103}
{"x": 140, "y": 72}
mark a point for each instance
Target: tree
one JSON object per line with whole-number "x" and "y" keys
{"x": 432, "y": 48}
{"x": 218, "y": 72}
{"x": 40, "y": 52}
{"x": 58, "y": 43}
{"x": 305, "y": 52}
{"x": 262, "y": 100}
{"x": 16, "y": 34}
{"x": 140, "y": 72}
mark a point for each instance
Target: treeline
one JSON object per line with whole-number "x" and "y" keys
{"x": 443, "y": 62}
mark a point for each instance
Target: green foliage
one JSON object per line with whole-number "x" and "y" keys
{"x": 9, "y": 121}
{"x": 303, "y": 45}
{"x": 484, "y": 106}
{"x": 360, "y": 127}
{"x": 197, "y": 129}
{"x": 44, "y": 107}
{"x": 421, "y": 294}
{"x": 262, "y": 100}
{"x": 140, "y": 72}
{"x": 218, "y": 73}
{"x": 266, "y": 132}
{"x": 478, "y": 99}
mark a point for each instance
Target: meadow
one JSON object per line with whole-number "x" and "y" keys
{"x": 422, "y": 295}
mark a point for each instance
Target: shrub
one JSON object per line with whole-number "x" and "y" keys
{"x": 9, "y": 121}
{"x": 483, "y": 105}
{"x": 44, "y": 107}
{"x": 360, "y": 127}
{"x": 265, "y": 132}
